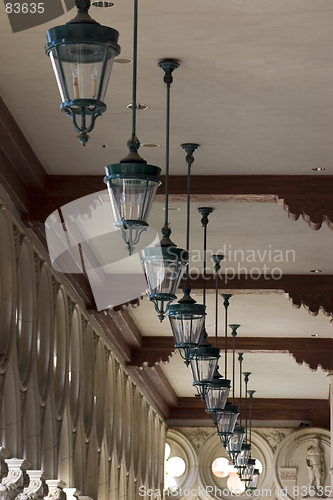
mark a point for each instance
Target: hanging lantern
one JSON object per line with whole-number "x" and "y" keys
{"x": 243, "y": 456}
{"x": 186, "y": 320}
{"x": 132, "y": 187}
{"x": 164, "y": 267}
{"x": 203, "y": 365}
{"x": 247, "y": 472}
{"x": 82, "y": 54}
{"x": 217, "y": 396}
{"x": 164, "y": 264}
{"x": 235, "y": 443}
{"x": 253, "y": 484}
{"x": 226, "y": 423}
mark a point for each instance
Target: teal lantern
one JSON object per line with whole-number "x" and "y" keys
{"x": 82, "y": 54}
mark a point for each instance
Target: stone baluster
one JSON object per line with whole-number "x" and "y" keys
{"x": 13, "y": 484}
{"x": 56, "y": 487}
{"x": 72, "y": 493}
{"x": 37, "y": 488}
{"x": 330, "y": 382}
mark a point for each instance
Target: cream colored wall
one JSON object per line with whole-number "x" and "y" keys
{"x": 68, "y": 407}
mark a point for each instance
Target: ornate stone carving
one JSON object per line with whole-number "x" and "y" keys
{"x": 70, "y": 310}
{"x": 106, "y": 354}
{"x": 38, "y": 266}
{"x": 198, "y": 437}
{"x": 315, "y": 463}
{"x": 96, "y": 340}
{"x": 275, "y": 438}
{"x": 288, "y": 474}
{"x": 13, "y": 484}
{"x": 37, "y": 488}
{"x": 314, "y": 212}
{"x": 313, "y": 301}
{"x": 17, "y": 240}
{"x": 84, "y": 324}
{"x": 55, "y": 289}
{"x": 55, "y": 489}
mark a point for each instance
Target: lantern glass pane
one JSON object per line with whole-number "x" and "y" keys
{"x": 163, "y": 275}
{"x": 247, "y": 472}
{"x": 203, "y": 368}
{"x": 186, "y": 328}
{"x": 82, "y": 70}
{"x": 255, "y": 479}
{"x": 236, "y": 442}
{"x": 216, "y": 398}
{"x": 244, "y": 455}
{"x": 131, "y": 199}
{"x": 226, "y": 422}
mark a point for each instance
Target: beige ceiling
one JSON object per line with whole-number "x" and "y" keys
{"x": 255, "y": 90}
{"x": 254, "y": 87}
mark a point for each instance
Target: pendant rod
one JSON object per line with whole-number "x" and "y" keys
{"x": 233, "y": 369}
{"x": 250, "y": 393}
{"x": 246, "y": 379}
{"x": 216, "y": 306}
{"x": 240, "y": 359}
{"x": 167, "y": 156}
{"x": 135, "y": 67}
{"x": 205, "y": 264}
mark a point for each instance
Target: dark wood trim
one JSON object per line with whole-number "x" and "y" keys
{"x": 314, "y": 410}
{"x": 313, "y": 352}
{"x": 244, "y": 282}
{"x": 62, "y": 189}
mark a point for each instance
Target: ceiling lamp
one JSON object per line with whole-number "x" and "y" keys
{"x": 253, "y": 483}
{"x": 227, "y": 420}
{"x": 132, "y": 183}
{"x": 245, "y": 453}
{"x": 205, "y": 358}
{"x": 226, "y": 423}
{"x": 235, "y": 443}
{"x": 218, "y": 392}
{"x": 248, "y": 471}
{"x": 164, "y": 264}
{"x": 82, "y": 54}
{"x": 187, "y": 317}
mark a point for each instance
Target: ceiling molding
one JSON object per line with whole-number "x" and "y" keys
{"x": 313, "y": 301}
{"x": 63, "y": 189}
{"x": 313, "y": 211}
{"x": 314, "y": 352}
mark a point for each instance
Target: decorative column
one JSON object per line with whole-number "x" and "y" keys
{"x": 37, "y": 487}
{"x": 56, "y": 487}
{"x": 330, "y": 382}
{"x": 13, "y": 484}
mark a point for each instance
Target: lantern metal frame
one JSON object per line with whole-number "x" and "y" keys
{"x": 82, "y": 31}
{"x": 230, "y": 411}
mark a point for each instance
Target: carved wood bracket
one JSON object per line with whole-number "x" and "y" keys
{"x": 313, "y": 211}
{"x": 313, "y": 301}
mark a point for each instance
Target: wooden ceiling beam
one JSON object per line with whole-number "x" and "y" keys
{"x": 315, "y": 411}
{"x": 313, "y": 352}
{"x": 63, "y": 189}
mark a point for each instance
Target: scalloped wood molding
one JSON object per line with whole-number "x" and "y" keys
{"x": 313, "y": 211}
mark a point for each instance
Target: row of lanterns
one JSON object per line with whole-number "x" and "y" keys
{"x": 82, "y": 53}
